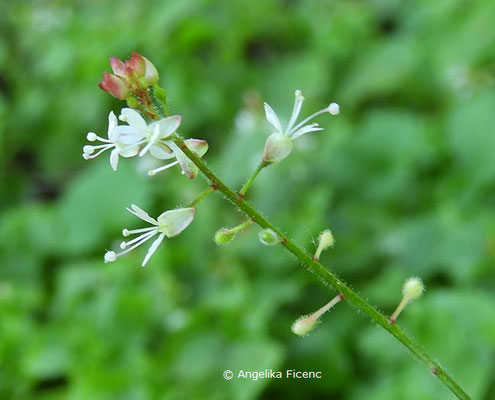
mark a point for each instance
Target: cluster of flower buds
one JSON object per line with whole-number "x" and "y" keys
{"x": 134, "y": 80}
{"x": 279, "y": 144}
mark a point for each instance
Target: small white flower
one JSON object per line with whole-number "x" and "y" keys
{"x": 137, "y": 137}
{"x": 124, "y": 142}
{"x": 153, "y": 134}
{"x": 169, "y": 224}
{"x": 279, "y": 144}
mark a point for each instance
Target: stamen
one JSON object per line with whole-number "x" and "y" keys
{"x": 145, "y": 239}
{"x": 304, "y": 121}
{"x": 127, "y": 232}
{"x": 155, "y": 171}
{"x": 298, "y": 101}
{"x": 152, "y": 141}
{"x": 105, "y": 148}
{"x": 110, "y": 256}
{"x": 334, "y": 109}
{"x": 91, "y": 136}
{"x": 88, "y": 149}
{"x": 124, "y": 245}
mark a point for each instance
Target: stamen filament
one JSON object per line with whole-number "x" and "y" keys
{"x": 127, "y": 250}
{"x": 298, "y": 101}
{"x": 137, "y": 239}
{"x": 107, "y": 146}
{"x": 127, "y": 232}
{"x": 156, "y": 170}
{"x": 304, "y": 121}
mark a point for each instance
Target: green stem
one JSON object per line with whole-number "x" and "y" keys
{"x": 326, "y": 276}
{"x": 159, "y": 106}
{"x": 246, "y": 186}
{"x": 203, "y": 194}
{"x": 242, "y": 226}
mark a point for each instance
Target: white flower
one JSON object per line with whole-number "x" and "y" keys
{"x": 125, "y": 143}
{"x": 169, "y": 224}
{"x": 197, "y": 146}
{"x": 153, "y": 134}
{"x": 135, "y": 138}
{"x": 279, "y": 144}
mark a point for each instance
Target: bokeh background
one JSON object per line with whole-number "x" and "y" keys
{"x": 404, "y": 177}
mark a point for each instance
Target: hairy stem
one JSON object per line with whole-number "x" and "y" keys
{"x": 246, "y": 186}
{"x": 202, "y": 195}
{"x": 326, "y": 276}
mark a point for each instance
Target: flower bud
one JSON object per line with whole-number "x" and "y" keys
{"x": 277, "y": 147}
{"x": 151, "y": 74}
{"x": 223, "y": 236}
{"x": 130, "y": 77}
{"x": 305, "y": 324}
{"x": 114, "y": 85}
{"x": 413, "y": 288}
{"x": 325, "y": 240}
{"x": 268, "y": 237}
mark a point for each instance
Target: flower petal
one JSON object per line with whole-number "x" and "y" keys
{"x": 277, "y": 147}
{"x": 151, "y": 141}
{"x": 173, "y": 222}
{"x": 168, "y": 125}
{"x": 272, "y": 118}
{"x": 118, "y": 66}
{"x": 152, "y": 249}
{"x": 112, "y": 123}
{"x": 133, "y": 118}
{"x": 128, "y": 150}
{"x": 161, "y": 151}
{"x": 114, "y": 159}
{"x": 125, "y": 134}
{"x": 114, "y": 85}
{"x": 188, "y": 167}
{"x": 140, "y": 213}
{"x": 197, "y": 146}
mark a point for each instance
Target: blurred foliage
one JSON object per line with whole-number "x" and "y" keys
{"x": 404, "y": 177}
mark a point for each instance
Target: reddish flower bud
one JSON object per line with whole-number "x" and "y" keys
{"x": 137, "y": 64}
{"x": 151, "y": 74}
{"x": 118, "y": 67}
{"x": 114, "y": 85}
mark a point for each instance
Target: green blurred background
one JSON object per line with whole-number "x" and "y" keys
{"x": 404, "y": 177}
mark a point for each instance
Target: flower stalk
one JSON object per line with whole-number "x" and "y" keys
{"x": 305, "y": 324}
{"x": 225, "y": 235}
{"x": 202, "y": 196}
{"x": 139, "y": 69}
{"x": 244, "y": 189}
{"x": 326, "y": 276}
